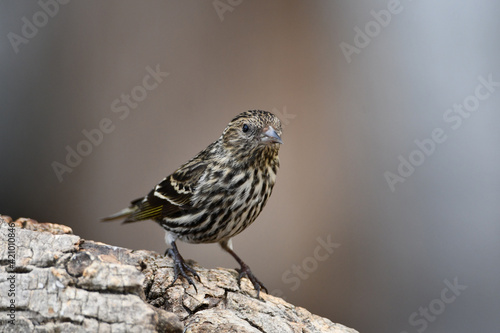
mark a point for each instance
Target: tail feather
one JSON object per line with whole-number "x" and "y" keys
{"x": 139, "y": 210}
{"x": 121, "y": 214}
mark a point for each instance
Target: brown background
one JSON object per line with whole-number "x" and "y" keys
{"x": 351, "y": 122}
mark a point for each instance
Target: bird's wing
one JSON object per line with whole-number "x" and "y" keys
{"x": 172, "y": 196}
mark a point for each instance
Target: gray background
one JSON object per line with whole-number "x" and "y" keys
{"x": 347, "y": 124}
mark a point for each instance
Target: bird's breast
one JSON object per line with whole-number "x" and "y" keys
{"x": 231, "y": 202}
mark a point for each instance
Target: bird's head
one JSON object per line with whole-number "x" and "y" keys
{"x": 252, "y": 131}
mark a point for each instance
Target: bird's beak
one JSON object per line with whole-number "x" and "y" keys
{"x": 270, "y": 136}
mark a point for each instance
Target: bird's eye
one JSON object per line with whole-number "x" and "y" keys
{"x": 245, "y": 128}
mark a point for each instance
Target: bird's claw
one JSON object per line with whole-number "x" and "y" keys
{"x": 244, "y": 270}
{"x": 181, "y": 268}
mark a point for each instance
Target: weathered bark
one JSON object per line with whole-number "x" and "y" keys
{"x": 63, "y": 283}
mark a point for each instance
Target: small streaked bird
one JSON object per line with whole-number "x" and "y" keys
{"x": 217, "y": 194}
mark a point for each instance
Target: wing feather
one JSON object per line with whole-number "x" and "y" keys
{"x": 172, "y": 196}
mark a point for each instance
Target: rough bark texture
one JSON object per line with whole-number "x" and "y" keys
{"x": 66, "y": 284}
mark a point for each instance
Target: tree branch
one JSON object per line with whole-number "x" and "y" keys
{"x": 64, "y": 283}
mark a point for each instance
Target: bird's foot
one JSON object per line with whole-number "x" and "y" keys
{"x": 181, "y": 268}
{"x": 244, "y": 270}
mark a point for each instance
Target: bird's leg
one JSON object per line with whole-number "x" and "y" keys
{"x": 180, "y": 266}
{"x": 244, "y": 268}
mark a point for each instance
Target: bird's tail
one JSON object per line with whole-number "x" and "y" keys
{"x": 121, "y": 214}
{"x": 124, "y": 213}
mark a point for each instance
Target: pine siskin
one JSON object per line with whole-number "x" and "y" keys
{"x": 218, "y": 193}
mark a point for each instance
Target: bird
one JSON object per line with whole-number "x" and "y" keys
{"x": 218, "y": 193}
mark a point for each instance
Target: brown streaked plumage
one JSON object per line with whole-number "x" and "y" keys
{"x": 217, "y": 194}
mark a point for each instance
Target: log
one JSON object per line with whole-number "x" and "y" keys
{"x": 54, "y": 281}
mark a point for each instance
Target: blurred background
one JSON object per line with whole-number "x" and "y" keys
{"x": 391, "y": 130}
